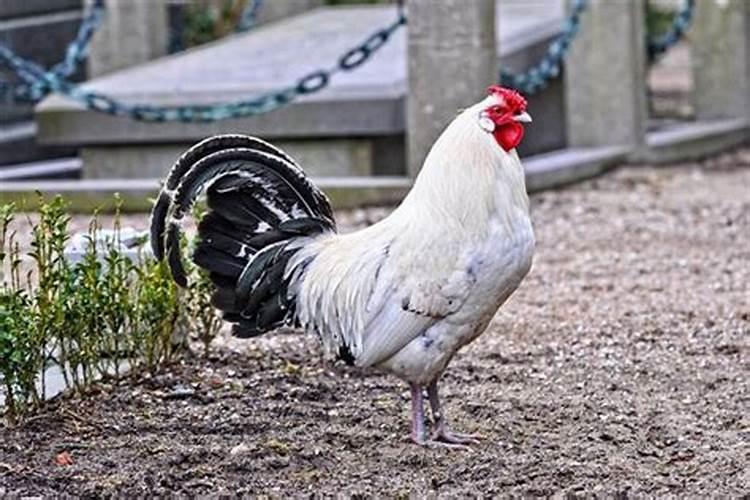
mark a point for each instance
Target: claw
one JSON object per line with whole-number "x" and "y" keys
{"x": 439, "y": 443}
{"x": 447, "y": 436}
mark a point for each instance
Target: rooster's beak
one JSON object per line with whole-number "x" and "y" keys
{"x": 523, "y": 117}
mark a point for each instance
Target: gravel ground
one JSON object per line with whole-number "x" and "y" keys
{"x": 619, "y": 367}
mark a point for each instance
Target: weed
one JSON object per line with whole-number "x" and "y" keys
{"x": 90, "y": 318}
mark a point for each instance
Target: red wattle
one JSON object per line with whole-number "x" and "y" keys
{"x": 509, "y": 135}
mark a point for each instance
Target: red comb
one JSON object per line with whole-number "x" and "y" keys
{"x": 512, "y": 98}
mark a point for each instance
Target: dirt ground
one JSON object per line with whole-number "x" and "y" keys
{"x": 619, "y": 367}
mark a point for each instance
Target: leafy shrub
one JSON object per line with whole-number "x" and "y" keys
{"x": 91, "y": 318}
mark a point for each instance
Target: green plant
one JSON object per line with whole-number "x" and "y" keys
{"x": 49, "y": 237}
{"x": 205, "y": 21}
{"x": 157, "y": 308}
{"x": 20, "y": 351}
{"x": 18, "y": 366}
{"x": 90, "y": 318}
{"x": 116, "y": 302}
{"x": 658, "y": 18}
{"x": 201, "y": 314}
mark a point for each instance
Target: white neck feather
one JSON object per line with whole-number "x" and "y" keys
{"x": 468, "y": 178}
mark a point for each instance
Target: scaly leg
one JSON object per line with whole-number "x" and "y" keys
{"x": 418, "y": 433}
{"x": 442, "y": 432}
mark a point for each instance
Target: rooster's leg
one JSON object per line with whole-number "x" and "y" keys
{"x": 418, "y": 433}
{"x": 442, "y": 432}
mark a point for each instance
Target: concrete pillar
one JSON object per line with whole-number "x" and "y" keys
{"x": 133, "y": 32}
{"x": 720, "y": 40}
{"x": 605, "y": 76}
{"x": 452, "y": 60}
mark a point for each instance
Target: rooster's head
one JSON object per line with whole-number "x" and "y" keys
{"x": 504, "y": 117}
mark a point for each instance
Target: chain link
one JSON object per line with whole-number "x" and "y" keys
{"x": 547, "y": 69}
{"x": 249, "y": 16}
{"x": 75, "y": 54}
{"x": 37, "y": 77}
{"x": 40, "y": 82}
{"x": 660, "y": 44}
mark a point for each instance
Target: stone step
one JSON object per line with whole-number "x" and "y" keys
{"x": 695, "y": 140}
{"x": 61, "y": 168}
{"x": 18, "y": 145}
{"x": 567, "y": 166}
{"x": 138, "y": 194}
{"x": 365, "y": 104}
{"x": 546, "y": 171}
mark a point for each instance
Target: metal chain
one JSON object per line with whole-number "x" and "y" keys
{"x": 77, "y": 51}
{"x": 659, "y": 45}
{"x": 75, "y": 54}
{"x": 249, "y": 16}
{"x": 35, "y": 75}
{"x": 547, "y": 69}
{"x": 41, "y": 82}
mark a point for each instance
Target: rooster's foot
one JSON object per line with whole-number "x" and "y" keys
{"x": 444, "y": 435}
{"x": 437, "y": 443}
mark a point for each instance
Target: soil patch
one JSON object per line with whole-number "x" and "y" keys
{"x": 620, "y": 366}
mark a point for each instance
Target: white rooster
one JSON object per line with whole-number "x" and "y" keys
{"x": 403, "y": 295}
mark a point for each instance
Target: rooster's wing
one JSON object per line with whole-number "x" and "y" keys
{"x": 409, "y": 311}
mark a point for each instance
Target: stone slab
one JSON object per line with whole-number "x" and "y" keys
{"x": 138, "y": 194}
{"x": 366, "y": 102}
{"x": 547, "y": 171}
{"x": 329, "y": 158}
{"x": 567, "y": 166}
{"x": 695, "y": 140}
{"x": 18, "y": 144}
{"x": 59, "y": 168}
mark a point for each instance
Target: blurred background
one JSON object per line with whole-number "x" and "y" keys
{"x": 353, "y": 93}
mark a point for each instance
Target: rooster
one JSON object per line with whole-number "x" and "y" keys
{"x": 403, "y": 295}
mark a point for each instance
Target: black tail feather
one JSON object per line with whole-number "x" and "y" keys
{"x": 254, "y": 273}
{"x": 260, "y": 201}
{"x": 173, "y": 255}
{"x": 213, "y": 145}
{"x": 159, "y": 216}
{"x": 163, "y": 205}
{"x": 217, "y": 261}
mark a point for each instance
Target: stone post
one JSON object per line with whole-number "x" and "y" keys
{"x": 605, "y": 77}
{"x": 133, "y": 32}
{"x": 452, "y": 60}
{"x": 721, "y": 59}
